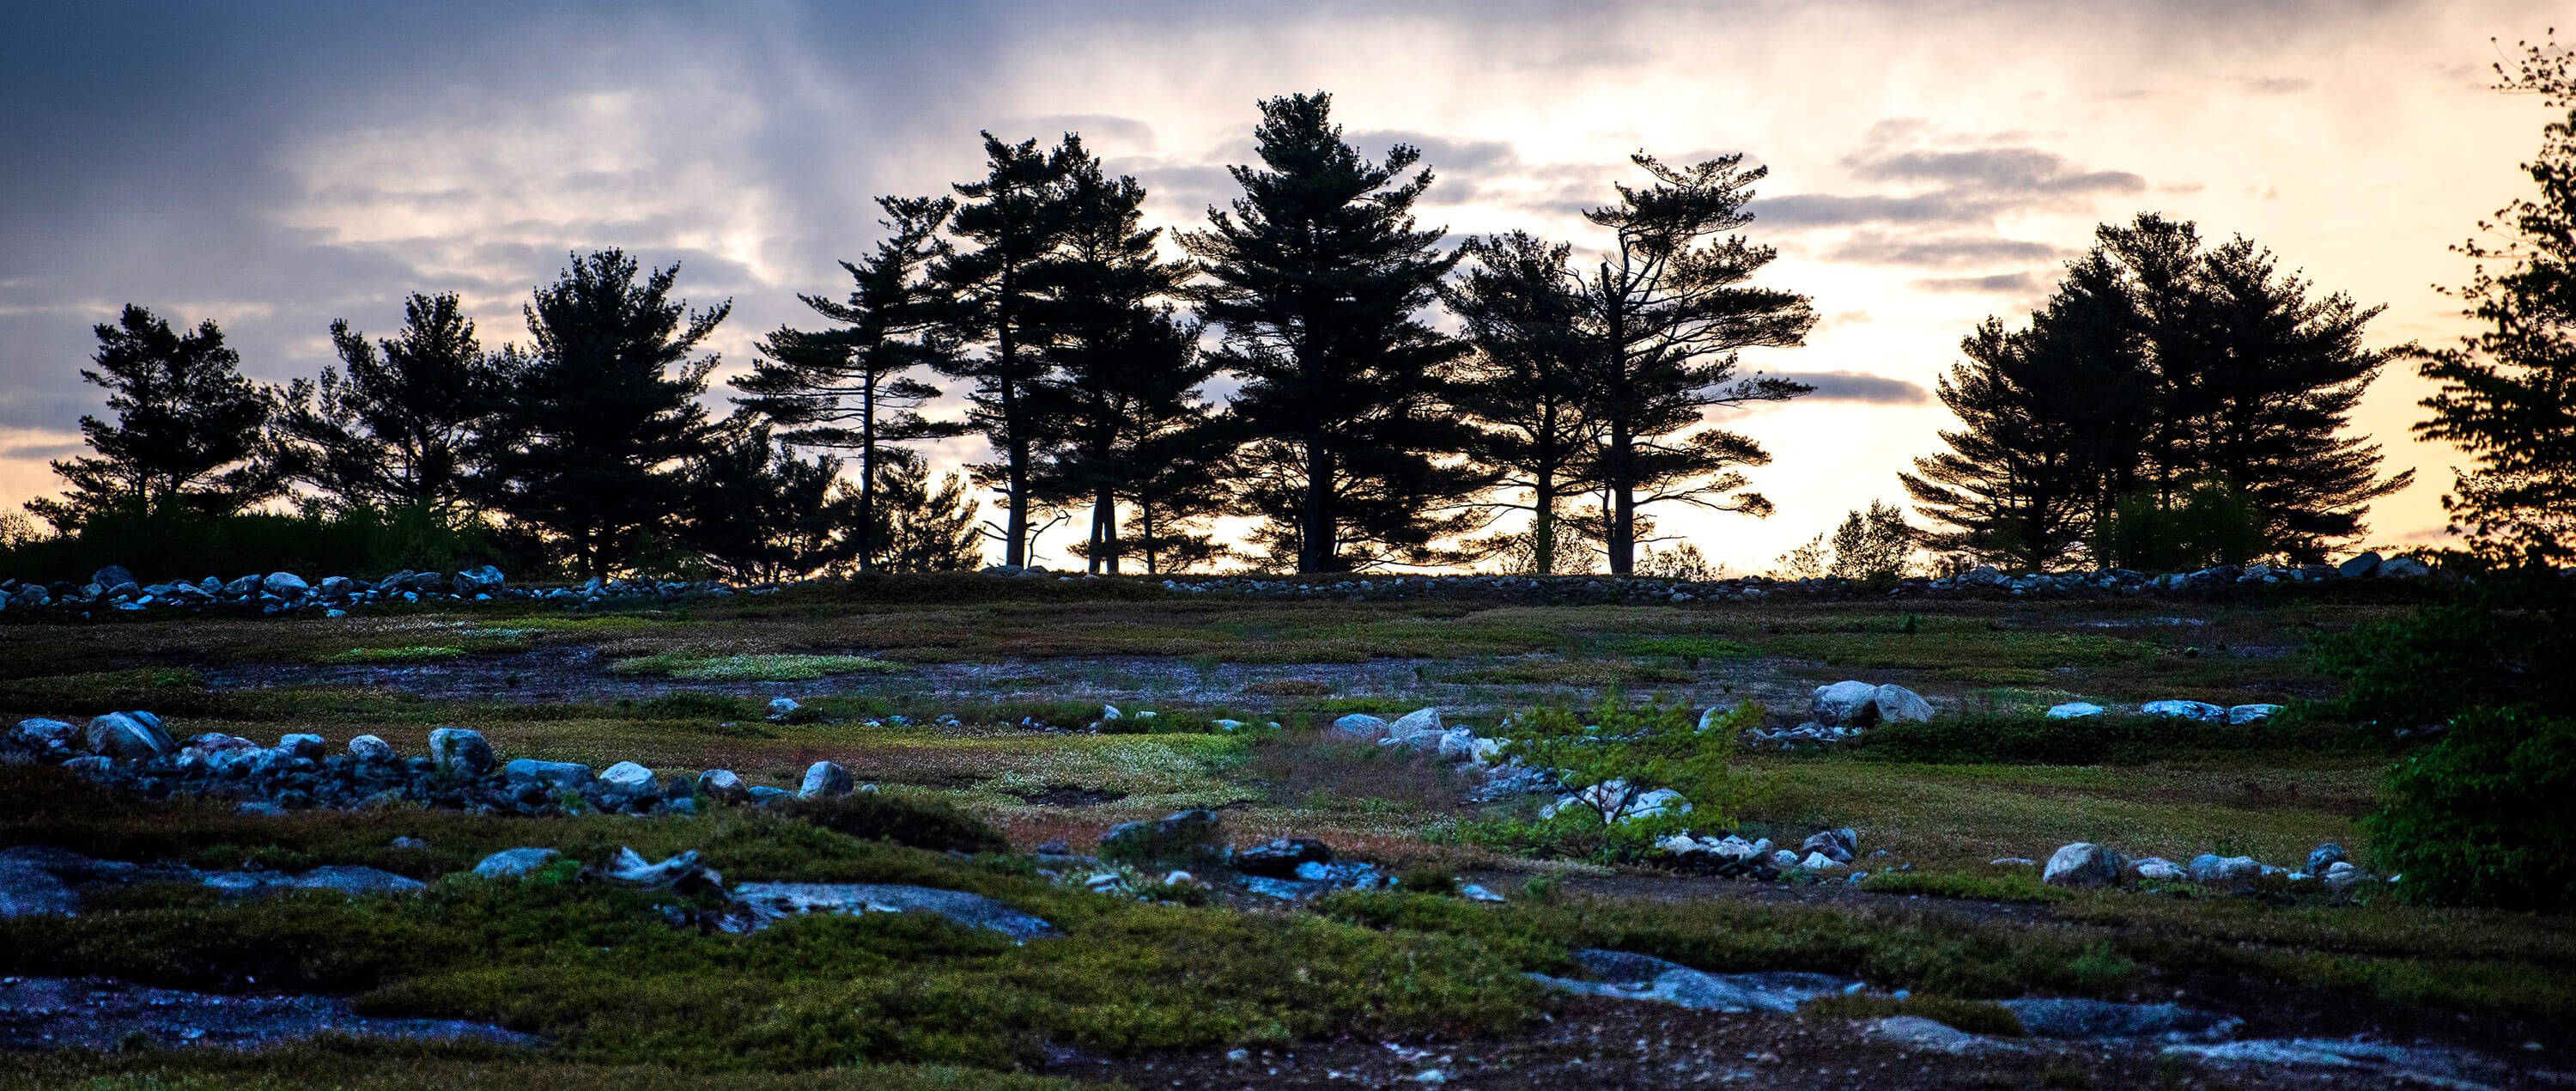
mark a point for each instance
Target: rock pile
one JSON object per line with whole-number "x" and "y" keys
{"x": 2084, "y": 865}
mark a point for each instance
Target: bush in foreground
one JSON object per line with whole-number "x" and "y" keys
{"x": 2486, "y": 816}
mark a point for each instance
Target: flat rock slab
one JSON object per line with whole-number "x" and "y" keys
{"x": 2425, "y": 1066}
{"x": 1643, "y": 977}
{"x": 2103, "y": 1019}
{"x": 54, "y": 1013}
{"x": 776, "y": 900}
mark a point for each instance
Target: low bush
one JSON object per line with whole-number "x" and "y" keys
{"x": 921, "y": 823}
{"x": 2485, "y": 816}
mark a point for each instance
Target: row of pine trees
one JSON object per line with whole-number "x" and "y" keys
{"x": 1561, "y": 399}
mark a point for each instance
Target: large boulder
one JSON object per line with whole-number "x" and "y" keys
{"x": 302, "y": 745}
{"x": 112, "y": 577}
{"x": 1457, "y": 744}
{"x": 478, "y": 581}
{"x": 285, "y": 585}
{"x": 1897, "y": 704}
{"x": 1361, "y": 724}
{"x": 127, "y": 736}
{"x": 2358, "y": 567}
{"x": 515, "y": 863}
{"x": 2074, "y": 710}
{"x": 723, "y": 786}
{"x": 2211, "y": 869}
{"x": 1841, "y": 702}
{"x": 370, "y": 749}
{"x": 2252, "y": 714}
{"x": 461, "y": 752}
{"x": 627, "y": 777}
{"x": 558, "y": 775}
{"x": 1420, "y": 721}
{"x": 43, "y": 735}
{"x": 2202, "y": 711}
{"x": 1176, "y": 838}
{"x": 2083, "y": 864}
{"x": 2402, "y": 568}
{"x": 1281, "y": 856}
{"x": 825, "y": 780}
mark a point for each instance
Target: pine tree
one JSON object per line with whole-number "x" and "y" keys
{"x": 1670, "y": 308}
{"x": 1316, "y": 278}
{"x": 924, "y": 529}
{"x": 2508, "y": 394}
{"x": 191, "y": 434}
{"x": 1522, "y": 385}
{"x": 590, "y": 449}
{"x": 757, "y": 513}
{"x": 846, "y": 388}
{"x": 992, "y": 297}
{"x": 1873, "y": 545}
{"x": 1117, "y": 413}
{"x": 399, "y": 430}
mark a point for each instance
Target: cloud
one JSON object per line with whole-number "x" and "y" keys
{"x": 1884, "y": 249}
{"x": 43, "y": 450}
{"x": 1960, "y": 188}
{"x": 1856, "y": 386}
{"x": 2004, "y": 283}
{"x": 2275, "y": 85}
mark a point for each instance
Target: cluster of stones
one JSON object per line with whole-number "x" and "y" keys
{"x": 1823, "y": 853}
{"x": 2085, "y": 864}
{"x": 1977, "y": 583}
{"x": 1288, "y": 869}
{"x": 115, "y": 588}
{"x": 133, "y": 751}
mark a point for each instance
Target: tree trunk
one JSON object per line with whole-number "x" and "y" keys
{"x": 867, "y": 475}
{"x": 1543, "y": 529}
{"x": 1104, "y": 522}
{"x": 1315, "y": 546}
{"x": 1623, "y": 502}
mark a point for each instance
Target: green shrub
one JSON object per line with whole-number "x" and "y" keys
{"x": 1627, "y": 751}
{"x": 933, "y": 824}
{"x": 170, "y": 544}
{"x": 2486, "y": 816}
{"x": 1973, "y": 1016}
{"x": 2509, "y": 641}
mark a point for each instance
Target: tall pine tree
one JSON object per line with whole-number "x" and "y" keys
{"x": 1117, "y": 411}
{"x": 1317, "y": 278}
{"x": 757, "y": 513}
{"x": 591, "y": 448}
{"x": 2508, "y": 394}
{"x": 1012, "y": 218}
{"x": 1522, "y": 386}
{"x": 399, "y": 429}
{"x": 191, "y": 434}
{"x": 847, "y": 388}
{"x": 1671, "y": 309}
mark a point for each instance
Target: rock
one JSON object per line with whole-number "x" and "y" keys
{"x": 2202, "y": 711}
{"x": 775, "y": 900}
{"x": 2094, "y": 1020}
{"x": 407, "y": 842}
{"x": 1361, "y": 724}
{"x": 1227, "y": 725}
{"x": 722, "y": 785}
{"x": 2402, "y": 568}
{"x": 1918, "y": 1033}
{"x": 1313, "y": 872}
{"x": 285, "y": 585}
{"x": 127, "y": 736}
{"x": 2210, "y": 869}
{"x": 781, "y": 708}
{"x": 27, "y": 889}
{"x": 112, "y": 577}
{"x": 337, "y": 587}
{"x": 461, "y": 752}
{"x": 1280, "y": 857}
{"x": 1897, "y": 705}
{"x": 1417, "y": 722}
{"x": 300, "y": 745}
{"x": 1783, "y": 858}
{"x": 2074, "y": 710}
{"x": 1709, "y": 717}
{"x": 1842, "y": 702}
{"x": 2083, "y": 864}
{"x": 368, "y": 748}
{"x": 1981, "y": 576}
{"x": 2359, "y": 566}
{"x": 1457, "y": 744}
{"x": 1817, "y": 861}
{"x": 825, "y": 780}
{"x": 681, "y": 872}
{"x": 2157, "y": 869}
{"x": 515, "y": 863}
{"x": 355, "y": 881}
{"x": 2325, "y": 856}
{"x": 40, "y": 734}
{"x": 627, "y": 777}
{"x": 1173, "y": 838}
{"x": 1475, "y": 893}
{"x": 2252, "y": 714}
{"x": 2341, "y": 876}
{"x": 764, "y": 795}
{"x": 479, "y": 581}
{"x": 1838, "y": 845}
{"x": 1627, "y": 976}
{"x": 559, "y": 775}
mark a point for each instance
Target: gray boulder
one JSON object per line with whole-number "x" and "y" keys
{"x": 461, "y": 752}
{"x": 127, "y": 736}
{"x": 824, "y": 780}
{"x": 369, "y": 748}
{"x": 1628, "y": 976}
{"x": 1417, "y": 722}
{"x": 559, "y": 775}
{"x": 681, "y": 872}
{"x": 1842, "y": 703}
{"x": 2083, "y": 864}
{"x": 627, "y": 777}
{"x": 241, "y": 588}
{"x": 2402, "y": 568}
{"x": 478, "y": 581}
{"x": 771, "y": 901}
{"x": 1361, "y": 724}
{"x": 2211, "y": 869}
{"x": 355, "y": 881}
{"x": 764, "y": 795}
{"x": 2358, "y": 567}
{"x": 2325, "y": 856}
{"x": 1280, "y": 857}
{"x": 285, "y": 585}
{"x": 1457, "y": 744}
{"x": 38, "y": 733}
{"x": 722, "y": 785}
{"x": 2074, "y": 710}
{"x": 515, "y": 863}
{"x": 1836, "y": 845}
{"x": 112, "y": 577}
{"x": 338, "y": 587}
{"x": 1897, "y": 704}
{"x": 300, "y": 745}
{"x": 26, "y": 888}
{"x": 2202, "y": 711}
{"x": 2252, "y": 714}
{"x": 781, "y": 708}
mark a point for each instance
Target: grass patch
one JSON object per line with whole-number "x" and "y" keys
{"x": 1973, "y": 1016}
{"x": 2022, "y": 886}
{"x": 2029, "y": 738}
{"x": 750, "y": 668}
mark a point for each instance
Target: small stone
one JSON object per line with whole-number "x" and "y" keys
{"x": 559, "y": 775}
{"x": 2325, "y": 856}
{"x": 781, "y": 708}
{"x": 2252, "y": 714}
{"x": 2202, "y": 711}
{"x": 368, "y": 748}
{"x": 627, "y": 777}
{"x": 408, "y": 842}
{"x": 722, "y": 785}
{"x": 461, "y": 752}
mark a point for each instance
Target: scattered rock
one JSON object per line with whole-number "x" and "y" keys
{"x": 112, "y": 577}
{"x": 2252, "y": 714}
{"x": 356, "y": 881}
{"x": 1842, "y": 703}
{"x": 2074, "y": 710}
{"x": 781, "y": 708}
{"x": 368, "y": 748}
{"x": 723, "y": 786}
{"x": 1280, "y": 857}
{"x": 285, "y": 585}
{"x": 627, "y": 777}
{"x": 461, "y": 752}
{"x": 681, "y": 872}
{"x": 825, "y": 780}
{"x": 2158, "y": 869}
{"x": 772, "y": 901}
{"x": 2083, "y": 864}
{"x": 2202, "y": 711}
{"x": 127, "y": 736}
{"x": 2325, "y": 856}
{"x": 1837, "y": 845}
{"x": 41, "y": 734}
{"x": 1361, "y": 724}
{"x": 1917, "y": 1032}
{"x": 559, "y": 775}
{"x": 1176, "y": 838}
{"x": 299, "y": 745}
{"x": 1417, "y": 722}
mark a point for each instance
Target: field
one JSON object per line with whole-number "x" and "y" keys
{"x": 983, "y": 694}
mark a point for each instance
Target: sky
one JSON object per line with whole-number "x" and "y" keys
{"x": 277, "y": 166}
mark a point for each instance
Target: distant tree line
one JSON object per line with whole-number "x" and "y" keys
{"x": 1358, "y": 436}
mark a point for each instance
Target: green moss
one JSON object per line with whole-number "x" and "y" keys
{"x": 413, "y": 654}
{"x": 741, "y": 668}
{"x": 2017, "y": 887}
{"x": 1973, "y": 1016}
